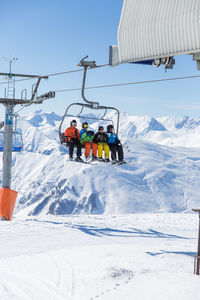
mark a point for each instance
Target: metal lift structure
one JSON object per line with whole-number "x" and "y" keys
{"x": 7, "y": 195}
{"x": 88, "y": 104}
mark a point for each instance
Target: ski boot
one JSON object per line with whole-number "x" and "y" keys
{"x": 87, "y": 158}
{"x": 107, "y": 160}
{"x": 71, "y": 157}
{"x": 100, "y": 159}
{"x": 121, "y": 162}
{"x": 79, "y": 159}
{"x": 115, "y": 161}
{"x": 94, "y": 158}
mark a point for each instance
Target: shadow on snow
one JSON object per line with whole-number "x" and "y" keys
{"x": 99, "y": 232}
{"x": 171, "y": 252}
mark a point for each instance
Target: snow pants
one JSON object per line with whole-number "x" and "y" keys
{"x": 101, "y": 147}
{"x": 116, "y": 149}
{"x": 88, "y": 146}
{"x": 71, "y": 144}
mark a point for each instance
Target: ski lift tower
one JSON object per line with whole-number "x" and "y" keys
{"x": 7, "y": 195}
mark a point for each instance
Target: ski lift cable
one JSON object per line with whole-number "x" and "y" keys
{"x": 49, "y": 75}
{"x": 130, "y": 83}
{"x": 56, "y": 74}
{"x": 21, "y": 108}
{"x": 123, "y": 84}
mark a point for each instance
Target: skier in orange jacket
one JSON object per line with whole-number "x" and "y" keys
{"x": 73, "y": 138}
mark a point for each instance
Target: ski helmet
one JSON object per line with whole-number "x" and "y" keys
{"x": 109, "y": 127}
{"x": 73, "y": 122}
{"x": 100, "y": 127}
{"x": 85, "y": 124}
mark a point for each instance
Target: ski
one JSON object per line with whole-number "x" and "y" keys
{"x": 89, "y": 162}
{"x": 118, "y": 163}
{"x": 97, "y": 162}
{"x": 122, "y": 163}
{"x": 79, "y": 161}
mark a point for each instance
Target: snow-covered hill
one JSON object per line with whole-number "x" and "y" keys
{"x": 140, "y": 257}
{"x": 157, "y": 178}
{"x": 110, "y": 256}
{"x": 168, "y": 131}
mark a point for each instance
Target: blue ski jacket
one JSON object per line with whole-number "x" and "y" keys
{"x": 112, "y": 138}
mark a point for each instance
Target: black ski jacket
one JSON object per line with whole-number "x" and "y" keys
{"x": 100, "y": 137}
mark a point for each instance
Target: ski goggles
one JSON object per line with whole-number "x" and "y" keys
{"x": 85, "y": 126}
{"x": 74, "y": 123}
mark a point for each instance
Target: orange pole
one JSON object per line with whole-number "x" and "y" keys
{"x": 7, "y": 203}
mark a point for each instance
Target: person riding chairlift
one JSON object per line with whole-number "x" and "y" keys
{"x": 86, "y": 137}
{"x": 101, "y": 140}
{"x": 73, "y": 138}
{"x": 115, "y": 145}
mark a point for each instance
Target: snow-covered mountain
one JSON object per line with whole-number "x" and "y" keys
{"x": 108, "y": 256}
{"x": 159, "y": 176}
{"x": 168, "y": 131}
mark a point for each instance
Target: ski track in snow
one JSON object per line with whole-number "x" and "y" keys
{"x": 99, "y": 257}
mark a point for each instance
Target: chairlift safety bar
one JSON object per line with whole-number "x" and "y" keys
{"x": 78, "y": 115}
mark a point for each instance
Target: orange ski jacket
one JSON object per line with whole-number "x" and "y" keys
{"x": 72, "y": 132}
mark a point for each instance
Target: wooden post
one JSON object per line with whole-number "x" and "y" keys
{"x": 197, "y": 257}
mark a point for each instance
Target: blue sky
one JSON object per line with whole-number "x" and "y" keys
{"x": 52, "y": 36}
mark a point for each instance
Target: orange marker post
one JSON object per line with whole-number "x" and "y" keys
{"x": 7, "y": 203}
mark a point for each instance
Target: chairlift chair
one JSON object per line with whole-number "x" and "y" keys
{"x": 89, "y": 104}
{"x": 17, "y": 145}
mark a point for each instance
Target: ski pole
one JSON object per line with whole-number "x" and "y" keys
{"x": 126, "y": 148}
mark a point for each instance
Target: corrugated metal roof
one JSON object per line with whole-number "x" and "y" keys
{"x": 151, "y": 29}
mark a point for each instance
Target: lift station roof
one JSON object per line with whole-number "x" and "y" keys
{"x": 151, "y": 29}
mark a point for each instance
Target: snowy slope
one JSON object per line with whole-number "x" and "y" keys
{"x": 156, "y": 179}
{"x": 100, "y": 253}
{"x": 140, "y": 257}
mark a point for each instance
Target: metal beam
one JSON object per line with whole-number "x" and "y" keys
{"x": 23, "y": 75}
{"x": 14, "y": 101}
{"x": 36, "y": 88}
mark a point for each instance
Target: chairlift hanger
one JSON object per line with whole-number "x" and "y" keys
{"x": 89, "y": 104}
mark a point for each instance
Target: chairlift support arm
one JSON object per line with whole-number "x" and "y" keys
{"x": 35, "y": 89}
{"x": 89, "y": 104}
{"x": 86, "y": 65}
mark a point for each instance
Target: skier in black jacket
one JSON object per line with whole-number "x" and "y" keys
{"x": 101, "y": 140}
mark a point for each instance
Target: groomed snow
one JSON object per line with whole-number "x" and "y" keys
{"x": 139, "y": 256}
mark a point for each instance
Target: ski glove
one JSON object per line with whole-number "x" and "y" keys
{"x": 90, "y": 132}
{"x": 118, "y": 143}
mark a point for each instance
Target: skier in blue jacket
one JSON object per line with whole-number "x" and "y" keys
{"x": 114, "y": 145}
